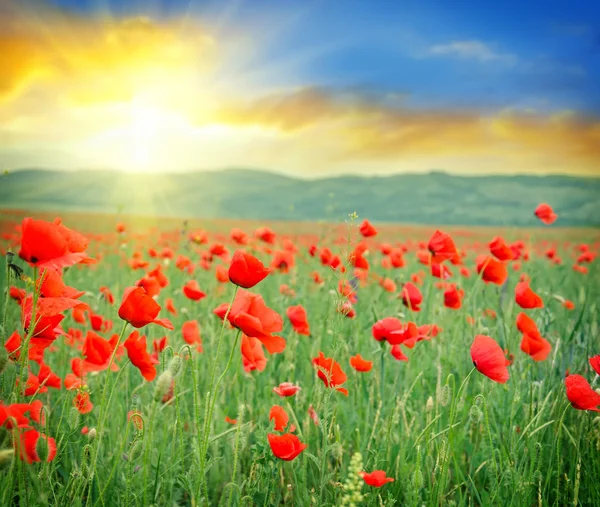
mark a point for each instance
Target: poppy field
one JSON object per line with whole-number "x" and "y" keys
{"x": 242, "y": 363}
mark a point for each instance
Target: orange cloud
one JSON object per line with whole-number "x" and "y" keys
{"x": 369, "y": 130}
{"x": 93, "y": 60}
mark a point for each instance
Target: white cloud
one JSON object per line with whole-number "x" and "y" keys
{"x": 471, "y": 49}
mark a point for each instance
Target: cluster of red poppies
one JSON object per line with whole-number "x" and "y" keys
{"x": 50, "y": 247}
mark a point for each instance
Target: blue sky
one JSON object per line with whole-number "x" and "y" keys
{"x": 540, "y": 54}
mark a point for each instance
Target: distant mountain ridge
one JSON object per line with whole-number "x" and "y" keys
{"x": 434, "y": 198}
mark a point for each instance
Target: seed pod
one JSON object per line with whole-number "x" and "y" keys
{"x": 475, "y": 413}
{"x": 74, "y": 417}
{"x": 135, "y": 451}
{"x": 6, "y": 457}
{"x": 175, "y": 365}
{"x": 3, "y": 359}
{"x": 162, "y": 385}
{"x": 41, "y": 448}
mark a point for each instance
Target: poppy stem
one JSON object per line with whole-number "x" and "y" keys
{"x": 211, "y": 399}
{"x": 103, "y": 409}
{"x": 6, "y": 298}
{"x": 449, "y": 448}
{"x": 22, "y": 378}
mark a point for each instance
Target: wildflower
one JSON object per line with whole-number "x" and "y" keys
{"x": 331, "y": 373}
{"x": 526, "y": 298}
{"x": 139, "y": 309}
{"x": 246, "y": 270}
{"x": 297, "y": 316}
{"x": 279, "y": 416}
{"x": 377, "y": 478}
{"x": 286, "y": 389}
{"x": 139, "y": 357}
{"x": 286, "y": 447}
{"x": 546, "y": 214}
{"x": 360, "y": 364}
{"x": 580, "y": 393}
{"x": 489, "y": 359}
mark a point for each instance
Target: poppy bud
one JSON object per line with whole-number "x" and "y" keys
{"x": 175, "y": 365}
{"x": 74, "y": 418}
{"x": 92, "y": 434}
{"x": 475, "y": 414}
{"x": 6, "y": 457}
{"x": 162, "y": 385}
{"x": 135, "y": 451}
{"x": 3, "y": 359}
{"x": 41, "y": 448}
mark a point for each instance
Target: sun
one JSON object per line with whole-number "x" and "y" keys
{"x": 146, "y": 124}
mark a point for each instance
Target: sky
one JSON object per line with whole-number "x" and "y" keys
{"x": 307, "y": 88}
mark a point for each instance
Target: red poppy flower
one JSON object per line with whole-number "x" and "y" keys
{"x": 411, "y": 297}
{"x": 253, "y": 317}
{"x": 441, "y": 247}
{"x": 546, "y": 214}
{"x": 253, "y": 356}
{"x": 376, "y": 478}
{"x": 526, "y": 298}
{"x": 330, "y": 372}
{"x": 192, "y": 291}
{"x": 139, "y": 357}
{"x": 170, "y": 307}
{"x": 346, "y": 289}
{"x": 526, "y": 325}
{"x": 569, "y": 305}
{"x": 453, "y": 297}
{"x": 297, "y": 316}
{"x": 398, "y": 353}
{"x": 82, "y": 402}
{"x": 388, "y": 285}
{"x": 13, "y": 416}
{"x": 360, "y": 364}
{"x": 501, "y": 250}
{"x": 536, "y": 346}
{"x": 595, "y": 363}
{"x": 489, "y": 359}
{"x": 151, "y": 284}
{"x": 279, "y": 415}
{"x": 491, "y": 270}
{"x": 239, "y": 236}
{"x": 286, "y": 389}
{"x": 581, "y": 395}
{"x": 96, "y": 352}
{"x": 139, "y": 309}
{"x": 47, "y": 377}
{"x": 51, "y": 244}
{"x": 190, "y": 331}
{"x": 28, "y": 448}
{"x": 105, "y": 291}
{"x": 265, "y": 234}
{"x": 367, "y": 229}
{"x": 246, "y": 270}
{"x": 286, "y": 447}
{"x": 385, "y": 328}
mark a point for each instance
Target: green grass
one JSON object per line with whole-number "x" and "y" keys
{"x": 446, "y": 439}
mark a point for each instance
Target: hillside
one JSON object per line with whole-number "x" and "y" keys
{"x": 435, "y": 198}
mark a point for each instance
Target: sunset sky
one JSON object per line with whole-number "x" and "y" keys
{"x": 301, "y": 87}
